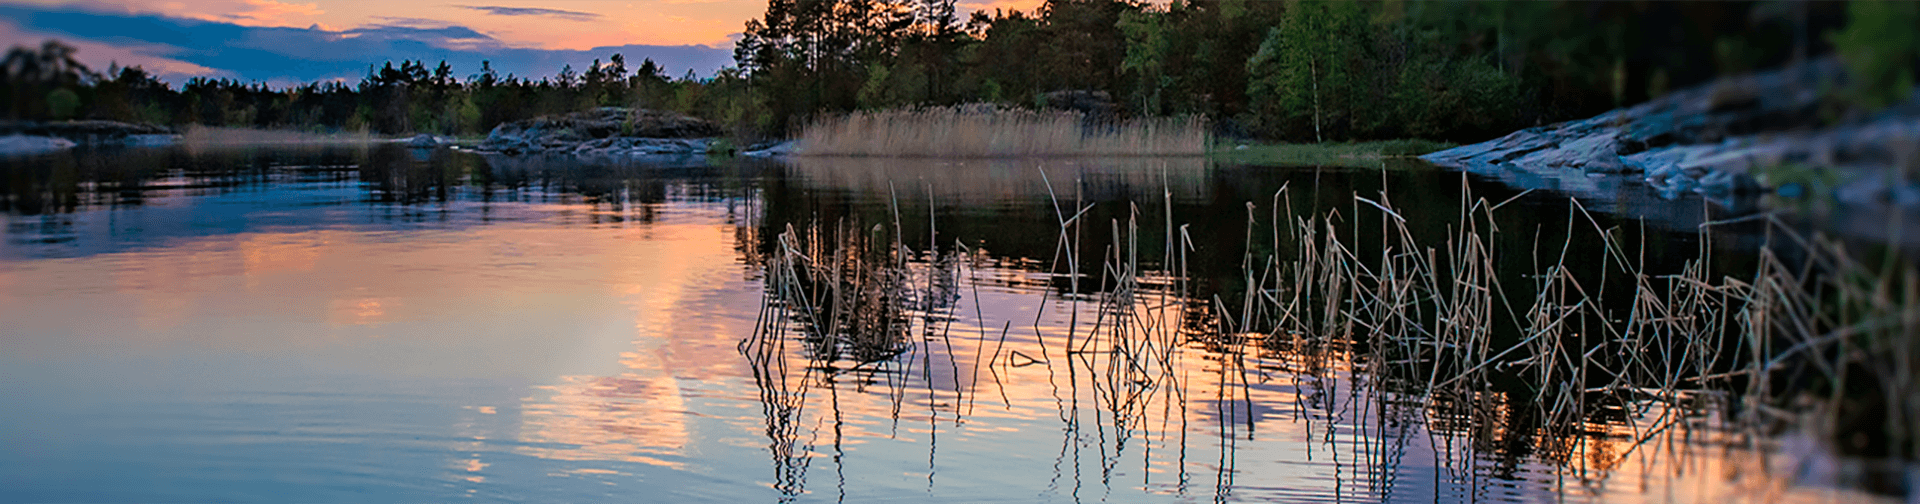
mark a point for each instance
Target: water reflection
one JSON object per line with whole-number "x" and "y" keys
{"x": 426, "y": 325}
{"x": 1147, "y": 367}
{"x": 642, "y": 413}
{"x": 1217, "y": 419}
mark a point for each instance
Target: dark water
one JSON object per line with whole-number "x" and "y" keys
{"x": 378, "y": 324}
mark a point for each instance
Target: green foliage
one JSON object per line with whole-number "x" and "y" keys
{"x": 722, "y": 147}
{"x": 397, "y": 98}
{"x": 1881, "y": 46}
{"x": 464, "y": 116}
{"x": 62, "y": 102}
{"x": 1299, "y": 70}
{"x": 888, "y": 88}
{"x": 1149, "y": 44}
{"x": 1434, "y": 97}
{"x": 1303, "y": 75}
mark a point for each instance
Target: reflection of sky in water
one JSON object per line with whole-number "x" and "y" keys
{"x": 292, "y": 342}
{"x": 231, "y": 354}
{"x": 165, "y": 216}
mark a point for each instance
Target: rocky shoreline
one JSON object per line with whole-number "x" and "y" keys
{"x": 607, "y": 131}
{"x": 27, "y": 137}
{"x": 1763, "y": 134}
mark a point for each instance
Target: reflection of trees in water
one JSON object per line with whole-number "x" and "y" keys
{"x": 1377, "y": 346}
{"x": 395, "y": 174}
{"x": 69, "y": 180}
{"x": 390, "y": 173}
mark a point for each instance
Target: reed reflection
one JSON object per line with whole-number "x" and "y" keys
{"x": 1078, "y": 329}
{"x": 1386, "y": 365}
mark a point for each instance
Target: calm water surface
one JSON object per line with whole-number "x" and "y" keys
{"x": 386, "y": 325}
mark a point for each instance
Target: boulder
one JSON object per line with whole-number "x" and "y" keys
{"x": 1095, "y": 106}
{"x": 426, "y": 141}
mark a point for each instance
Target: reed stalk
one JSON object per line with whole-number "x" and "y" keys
{"x": 1625, "y": 348}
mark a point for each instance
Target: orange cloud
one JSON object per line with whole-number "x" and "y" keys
{"x": 662, "y": 22}
{"x": 251, "y": 12}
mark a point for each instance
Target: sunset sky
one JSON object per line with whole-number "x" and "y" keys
{"x": 296, "y": 41}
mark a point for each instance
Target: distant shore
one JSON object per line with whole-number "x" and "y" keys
{"x": 22, "y": 137}
{"x": 33, "y": 137}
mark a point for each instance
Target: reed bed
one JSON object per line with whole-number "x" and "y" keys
{"x": 207, "y": 136}
{"x": 1433, "y": 329}
{"x": 1810, "y": 344}
{"x": 849, "y": 305}
{"x": 981, "y": 132}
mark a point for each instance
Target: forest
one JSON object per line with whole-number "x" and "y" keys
{"x": 1293, "y": 71}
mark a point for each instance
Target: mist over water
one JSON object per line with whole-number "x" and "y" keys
{"x": 393, "y": 325}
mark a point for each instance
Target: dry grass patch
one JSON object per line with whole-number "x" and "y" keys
{"x": 205, "y": 136}
{"x": 962, "y": 132}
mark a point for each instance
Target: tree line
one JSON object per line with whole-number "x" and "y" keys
{"x": 404, "y": 98}
{"x": 1299, "y": 70}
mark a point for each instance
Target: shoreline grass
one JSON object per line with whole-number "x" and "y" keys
{"x": 205, "y": 136}
{"x": 1367, "y": 153}
{"x": 986, "y": 132}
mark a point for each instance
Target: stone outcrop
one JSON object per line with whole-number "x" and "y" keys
{"x": 92, "y": 133}
{"x": 605, "y": 131}
{"x": 1095, "y": 106}
{"x": 426, "y": 141}
{"x": 13, "y": 145}
{"x": 774, "y": 149}
{"x": 1758, "y": 133}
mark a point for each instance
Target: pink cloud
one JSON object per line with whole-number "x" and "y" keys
{"x": 249, "y": 12}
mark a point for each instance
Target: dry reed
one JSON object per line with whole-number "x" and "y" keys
{"x": 1415, "y": 327}
{"x": 977, "y": 132}
{"x": 1802, "y": 331}
{"x": 1420, "y": 318}
{"x": 206, "y": 136}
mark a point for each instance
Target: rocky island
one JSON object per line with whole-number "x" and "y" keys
{"x": 606, "y": 131}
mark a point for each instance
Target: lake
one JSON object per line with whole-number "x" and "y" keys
{"x": 381, "y": 324}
